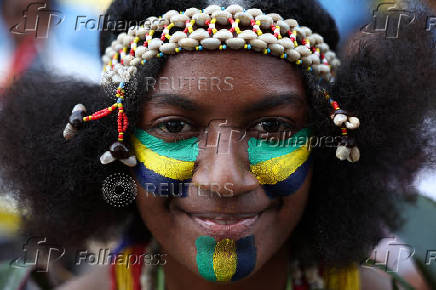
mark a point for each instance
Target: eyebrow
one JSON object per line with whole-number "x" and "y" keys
{"x": 174, "y": 100}
{"x": 273, "y": 101}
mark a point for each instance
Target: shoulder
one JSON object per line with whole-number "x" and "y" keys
{"x": 97, "y": 278}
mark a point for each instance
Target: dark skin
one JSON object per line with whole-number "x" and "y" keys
{"x": 264, "y": 89}
{"x": 264, "y": 98}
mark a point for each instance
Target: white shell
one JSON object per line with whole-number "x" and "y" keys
{"x": 201, "y": 18}
{"x": 105, "y": 59}
{"x": 117, "y": 46}
{"x": 303, "y": 50}
{"x": 221, "y": 16}
{"x": 353, "y": 123}
{"x": 340, "y": 119}
{"x": 258, "y": 44}
{"x": 293, "y": 55}
{"x": 244, "y": 18}
{"x": 275, "y": 17}
{"x": 170, "y": 13}
{"x": 127, "y": 40}
{"x": 307, "y": 30}
{"x": 335, "y": 63}
{"x": 69, "y": 131}
{"x": 179, "y": 20}
{"x": 140, "y": 51}
{"x": 127, "y": 59}
{"x": 235, "y": 43}
{"x": 286, "y": 42}
{"x": 177, "y": 36}
{"x": 134, "y": 62}
{"x": 199, "y": 34}
{"x": 211, "y": 9}
{"x": 300, "y": 31}
{"x": 223, "y": 34}
{"x": 110, "y": 51}
{"x": 149, "y": 54}
{"x": 234, "y": 8}
{"x": 307, "y": 61}
{"x": 106, "y": 158}
{"x": 141, "y": 32}
{"x": 130, "y": 161}
{"x": 247, "y": 35}
{"x": 323, "y": 47}
{"x": 188, "y": 43}
{"x": 254, "y": 12}
{"x": 268, "y": 38}
{"x": 191, "y": 11}
{"x": 315, "y": 39}
{"x": 121, "y": 36}
{"x": 155, "y": 43}
{"x": 323, "y": 68}
{"x": 284, "y": 27}
{"x": 79, "y": 107}
{"x": 330, "y": 55}
{"x": 291, "y": 22}
{"x": 342, "y": 152}
{"x": 265, "y": 21}
{"x": 132, "y": 31}
{"x": 354, "y": 154}
{"x": 168, "y": 48}
{"x": 211, "y": 43}
{"x": 313, "y": 59}
{"x": 276, "y": 49}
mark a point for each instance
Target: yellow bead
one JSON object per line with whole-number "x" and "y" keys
{"x": 136, "y": 39}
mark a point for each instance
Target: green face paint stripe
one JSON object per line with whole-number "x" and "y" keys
{"x": 205, "y": 250}
{"x": 263, "y": 150}
{"x": 184, "y": 150}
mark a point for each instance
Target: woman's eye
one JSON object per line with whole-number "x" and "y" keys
{"x": 174, "y": 126}
{"x": 272, "y": 126}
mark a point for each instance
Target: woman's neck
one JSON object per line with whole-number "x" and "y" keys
{"x": 272, "y": 275}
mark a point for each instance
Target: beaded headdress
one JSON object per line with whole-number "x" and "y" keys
{"x": 197, "y": 30}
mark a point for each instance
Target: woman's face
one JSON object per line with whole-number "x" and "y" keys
{"x": 226, "y": 201}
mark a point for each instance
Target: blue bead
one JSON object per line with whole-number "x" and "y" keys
{"x": 224, "y": 46}
{"x": 268, "y": 50}
{"x": 200, "y": 47}
{"x": 249, "y": 46}
{"x": 285, "y": 56}
{"x": 121, "y": 85}
{"x": 222, "y": 8}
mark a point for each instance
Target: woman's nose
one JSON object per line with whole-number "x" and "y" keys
{"x": 222, "y": 166}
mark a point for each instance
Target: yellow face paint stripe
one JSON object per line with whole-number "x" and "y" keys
{"x": 165, "y": 166}
{"x": 225, "y": 260}
{"x": 279, "y": 168}
{"x": 124, "y": 278}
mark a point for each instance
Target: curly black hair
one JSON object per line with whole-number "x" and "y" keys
{"x": 387, "y": 83}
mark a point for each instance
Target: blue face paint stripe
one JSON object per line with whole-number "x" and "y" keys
{"x": 246, "y": 253}
{"x": 291, "y": 184}
{"x": 147, "y": 178}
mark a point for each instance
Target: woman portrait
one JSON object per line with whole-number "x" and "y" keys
{"x": 229, "y": 145}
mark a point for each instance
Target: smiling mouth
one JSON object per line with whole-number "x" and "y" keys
{"x": 228, "y": 225}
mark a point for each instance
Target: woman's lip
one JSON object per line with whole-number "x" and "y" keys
{"x": 228, "y": 226}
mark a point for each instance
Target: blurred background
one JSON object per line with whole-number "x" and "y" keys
{"x": 67, "y": 44}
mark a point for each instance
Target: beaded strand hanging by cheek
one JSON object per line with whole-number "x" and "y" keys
{"x": 197, "y": 29}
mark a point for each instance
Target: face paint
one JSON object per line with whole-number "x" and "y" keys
{"x": 281, "y": 167}
{"x": 164, "y": 167}
{"x": 225, "y": 260}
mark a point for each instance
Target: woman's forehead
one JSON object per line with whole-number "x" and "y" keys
{"x": 228, "y": 74}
